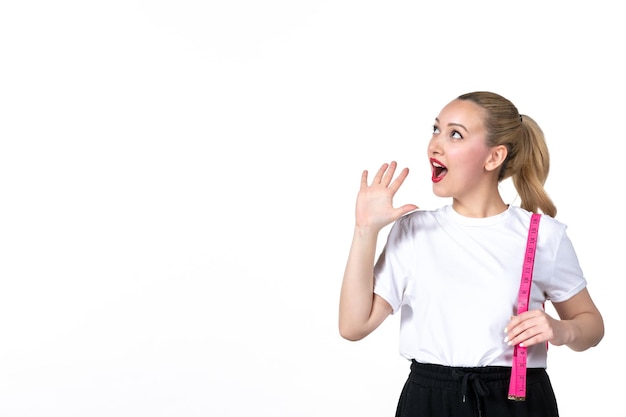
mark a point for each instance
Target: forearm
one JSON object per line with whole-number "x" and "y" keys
{"x": 357, "y": 289}
{"x": 581, "y": 325}
{"x": 583, "y": 331}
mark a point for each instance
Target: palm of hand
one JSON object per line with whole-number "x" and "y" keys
{"x": 374, "y": 208}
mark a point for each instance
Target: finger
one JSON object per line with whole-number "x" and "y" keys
{"x": 532, "y": 341}
{"x": 530, "y": 328}
{"x": 520, "y": 337}
{"x": 515, "y": 327}
{"x": 530, "y": 337}
{"x": 395, "y": 185}
{"x": 389, "y": 173}
{"x": 381, "y": 171}
{"x": 364, "y": 180}
{"x": 401, "y": 211}
{"x": 515, "y": 321}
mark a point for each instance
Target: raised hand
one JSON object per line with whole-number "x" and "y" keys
{"x": 374, "y": 207}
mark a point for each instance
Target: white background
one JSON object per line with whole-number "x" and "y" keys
{"x": 177, "y": 185}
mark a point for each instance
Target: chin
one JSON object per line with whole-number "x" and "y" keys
{"x": 439, "y": 192}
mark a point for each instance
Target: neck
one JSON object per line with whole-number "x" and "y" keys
{"x": 485, "y": 208}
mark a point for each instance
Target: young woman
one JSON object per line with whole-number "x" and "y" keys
{"x": 454, "y": 273}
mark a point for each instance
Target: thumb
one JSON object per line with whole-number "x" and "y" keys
{"x": 407, "y": 208}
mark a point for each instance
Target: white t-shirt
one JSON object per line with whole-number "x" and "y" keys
{"x": 456, "y": 281}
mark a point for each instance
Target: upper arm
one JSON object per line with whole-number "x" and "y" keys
{"x": 578, "y": 304}
{"x": 381, "y": 309}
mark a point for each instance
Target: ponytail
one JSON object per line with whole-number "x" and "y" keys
{"x": 533, "y": 166}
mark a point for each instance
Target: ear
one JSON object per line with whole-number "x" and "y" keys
{"x": 496, "y": 157}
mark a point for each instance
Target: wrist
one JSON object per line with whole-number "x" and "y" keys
{"x": 364, "y": 232}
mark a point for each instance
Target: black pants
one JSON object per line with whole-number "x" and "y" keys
{"x": 443, "y": 391}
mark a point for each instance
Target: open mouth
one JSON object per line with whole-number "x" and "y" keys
{"x": 439, "y": 170}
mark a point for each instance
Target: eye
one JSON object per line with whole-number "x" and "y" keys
{"x": 435, "y": 129}
{"x": 456, "y": 135}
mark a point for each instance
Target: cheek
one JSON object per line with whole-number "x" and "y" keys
{"x": 468, "y": 160}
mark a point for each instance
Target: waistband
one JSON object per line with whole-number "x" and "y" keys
{"x": 476, "y": 380}
{"x": 445, "y": 376}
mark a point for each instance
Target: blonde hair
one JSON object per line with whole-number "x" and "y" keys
{"x": 528, "y": 160}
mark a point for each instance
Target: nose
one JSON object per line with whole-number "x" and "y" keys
{"x": 434, "y": 147}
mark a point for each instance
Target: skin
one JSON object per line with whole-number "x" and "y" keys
{"x": 458, "y": 143}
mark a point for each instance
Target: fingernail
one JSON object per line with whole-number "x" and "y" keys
{"x": 506, "y": 330}
{"x": 506, "y": 339}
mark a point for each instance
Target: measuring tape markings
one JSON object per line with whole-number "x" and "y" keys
{"x": 517, "y": 384}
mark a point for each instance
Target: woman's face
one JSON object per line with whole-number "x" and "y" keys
{"x": 458, "y": 150}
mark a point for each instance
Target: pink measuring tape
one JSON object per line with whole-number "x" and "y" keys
{"x": 517, "y": 385}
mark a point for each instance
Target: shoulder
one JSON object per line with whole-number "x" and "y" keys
{"x": 408, "y": 227}
{"x": 417, "y": 218}
{"x": 549, "y": 227}
{"x": 525, "y": 215}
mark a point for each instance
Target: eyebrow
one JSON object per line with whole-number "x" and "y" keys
{"x": 454, "y": 124}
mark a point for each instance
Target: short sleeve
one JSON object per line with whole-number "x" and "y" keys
{"x": 567, "y": 278}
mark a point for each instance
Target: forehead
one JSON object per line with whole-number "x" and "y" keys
{"x": 464, "y": 112}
